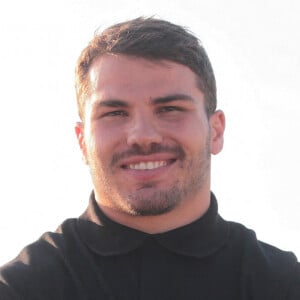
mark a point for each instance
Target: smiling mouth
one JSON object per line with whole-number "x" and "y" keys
{"x": 149, "y": 165}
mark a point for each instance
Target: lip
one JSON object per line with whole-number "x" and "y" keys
{"x": 151, "y": 174}
{"x": 147, "y": 158}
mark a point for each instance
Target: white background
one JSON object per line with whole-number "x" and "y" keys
{"x": 254, "y": 47}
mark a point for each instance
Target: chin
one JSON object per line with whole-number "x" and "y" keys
{"x": 153, "y": 204}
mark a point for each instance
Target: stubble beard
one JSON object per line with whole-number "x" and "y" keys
{"x": 164, "y": 200}
{"x": 159, "y": 201}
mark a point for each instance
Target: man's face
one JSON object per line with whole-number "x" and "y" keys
{"x": 146, "y": 137}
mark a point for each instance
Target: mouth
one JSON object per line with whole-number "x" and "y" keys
{"x": 149, "y": 165}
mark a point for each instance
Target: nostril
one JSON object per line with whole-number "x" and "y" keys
{"x": 144, "y": 138}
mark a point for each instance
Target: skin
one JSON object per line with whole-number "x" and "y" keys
{"x": 144, "y": 114}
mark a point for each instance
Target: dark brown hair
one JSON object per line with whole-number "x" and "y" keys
{"x": 152, "y": 39}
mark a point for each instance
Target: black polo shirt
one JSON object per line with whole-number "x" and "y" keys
{"x": 93, "y": 257}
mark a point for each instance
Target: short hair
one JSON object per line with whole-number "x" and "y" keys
{"x": 152, "y": 39}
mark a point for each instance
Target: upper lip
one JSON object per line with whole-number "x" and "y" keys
{"x": 147, "y": 158}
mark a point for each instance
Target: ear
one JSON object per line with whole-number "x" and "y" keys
{"x": 79, "y": 130}
{"x": 217, "y": 127}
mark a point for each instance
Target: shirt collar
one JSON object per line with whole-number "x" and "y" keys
{"x": 197, "y": 239}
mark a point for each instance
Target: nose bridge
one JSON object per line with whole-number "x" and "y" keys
{"x": 143, "y": 130}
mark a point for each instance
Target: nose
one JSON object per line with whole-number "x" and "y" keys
{"x": 143, "y": 132}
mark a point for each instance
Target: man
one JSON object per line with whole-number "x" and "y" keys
{"x": 147, "y": 102}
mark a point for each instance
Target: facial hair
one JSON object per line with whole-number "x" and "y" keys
{"x": 164, "y": 200}
{"x": 148, "y": 200}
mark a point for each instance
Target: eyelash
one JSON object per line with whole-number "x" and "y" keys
{"x": 122, "y": 113}
{"x": 164, "y": 109}
{"x": 115, "y": 113}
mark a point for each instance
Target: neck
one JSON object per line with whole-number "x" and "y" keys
{"x": 184, "y": 213}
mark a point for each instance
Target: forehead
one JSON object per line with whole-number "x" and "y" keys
{"x": 121, "y": 75}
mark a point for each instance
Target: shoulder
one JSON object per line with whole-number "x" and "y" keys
{"x": 38, "y": 264}
{"x": 265, "y": 265}
{"x": 247, "y": 239}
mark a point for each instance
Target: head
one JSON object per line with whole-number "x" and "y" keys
{"x": 151, "y": 39}
{"x": 147, "y": 98}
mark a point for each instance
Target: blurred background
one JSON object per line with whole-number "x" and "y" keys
{"x": 254, "y": 47}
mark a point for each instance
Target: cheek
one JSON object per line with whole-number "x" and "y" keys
{"x": 193, "y": 134}
{"x": 105, "y": 141}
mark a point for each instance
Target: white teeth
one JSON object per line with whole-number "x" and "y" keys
{"x": 148, "y": 165}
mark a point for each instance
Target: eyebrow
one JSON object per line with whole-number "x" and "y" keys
{"x": 113, "y": 103}
{"x": 158, "y": 100}
{"x": 170, "y": 98}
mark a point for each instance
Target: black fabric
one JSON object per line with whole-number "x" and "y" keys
{"x": 93, "y": 257}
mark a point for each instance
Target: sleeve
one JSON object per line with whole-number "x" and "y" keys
{"x": 294, "y": 290}
{"x": 33, "y": 273}
{"x": 44, "y": 270}
{"x": 7, "y": 293}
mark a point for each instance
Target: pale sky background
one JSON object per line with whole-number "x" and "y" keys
{"x": 254, "y": 47}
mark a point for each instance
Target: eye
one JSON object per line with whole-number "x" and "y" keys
{"x": 165, "y": 109}
{"x": 115, "y": 113}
